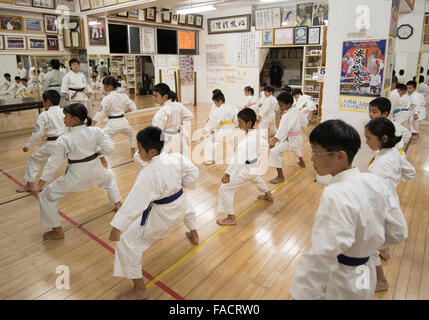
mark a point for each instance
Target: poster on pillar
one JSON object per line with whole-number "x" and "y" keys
{"x": 362, "y": 68}
{"x": 388, "y": 69}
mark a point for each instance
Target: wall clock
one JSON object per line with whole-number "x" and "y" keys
{"x": 405, "y": 31}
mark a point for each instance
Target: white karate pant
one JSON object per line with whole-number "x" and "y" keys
{"x": 177, "y": 143}
{"x": 37, "y": 160}
{"x": 293, "y": 144}
{"x": 269, "y": 123}
{"x": 227, "y": 190}
{"x": 78, "y": 176}
{"x": 121, "y": 125}
{"x": 401, "y": 117}
{"x": 137, "y": 238}
{"x": 211, "y": 142}
{"x": 414, "y": 124}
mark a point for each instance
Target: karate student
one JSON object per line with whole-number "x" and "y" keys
{"x": 114, "y": 106}
{"x": 400, "y": 104}
{"x": 305, "y": 104}
{"x": 50, "y": 124}
{"x": 81, "y": 145}
{"x": 243, "y": 167}
{"x": 417, "y": 108}
{"x": 157, "y": 196}
{"x": 54, "y": 79}
{"x": 43, "y": 75}
{"x": 25, "y": 90}
{"x": 262, "y": 86}
{"x": 123, "y": 85}
{"x": 251, "y": 100}
{"x": 380, "y": 108}
{"x": 351, "y": 223}
{"x": 95, "y": 87}
{"x": 14, "y": 87}
{"x": 213, "y": 106}
{"x": 22, "y": 72}
{"x": 374, "y": 81}
{"x": 221, "y": 125}
{"x": 75, "y": 87}
{"x": 393, "y": 168}
{"x": 287, "y": 138}
{"x": 267, "y": 112}
{"x": 6, "y": 83}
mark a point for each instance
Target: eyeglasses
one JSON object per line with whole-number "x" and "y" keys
{"x": 321, "y": 154}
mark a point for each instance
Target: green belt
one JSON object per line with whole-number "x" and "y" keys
{"x": 116, "y": 117}
{"x": 172, "y": 131}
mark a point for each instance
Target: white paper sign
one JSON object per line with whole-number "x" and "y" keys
{"x": 247, "y": 53}
{"x": 147, "y": 40}
{"x": 215, "y": 65}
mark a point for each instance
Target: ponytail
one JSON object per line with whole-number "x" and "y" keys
{"x": 88, "y": 121}
{"x": 78, "y": 110}
{"x": 250, "y": 89}
{"x": 381, "y": 127}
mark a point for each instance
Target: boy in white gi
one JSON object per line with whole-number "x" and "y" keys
{"x": 26, "y": 89}
{"x": 262, "y": 86}
{"x": 75, "y": 87}
{"x": 287, "y": 138}
{"x": 251, "y": 100}
{"x": 351, "y": 223}
{"x": 220, "y": 126}
{"x": 158, "y": 201}
{"x": 400, "y": 104}
{"x": 50, "y": 124}
{"x": 6, "y": 83}
{"x": 417, "y": 108}
{"x": 14, "y": 87}
{"x": 389, "y": 164}
{"x": 123, "y": 85}
{"x": 305, "y": 104}
{"x": 114, "y": 106}
{"x": 267, "y": 112}
{"x": 243, "y": 167}
{"x": 81, "y": 145}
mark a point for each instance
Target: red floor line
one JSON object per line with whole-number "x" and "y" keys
{"x": 160, "y": 284}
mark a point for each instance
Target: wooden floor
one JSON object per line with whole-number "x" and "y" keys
{"x": 254, "y": 260}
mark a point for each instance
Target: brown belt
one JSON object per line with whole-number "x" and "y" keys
{"x": 87, "y": 159}
{"x": 51, "y": 138}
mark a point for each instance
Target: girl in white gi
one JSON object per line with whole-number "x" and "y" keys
{"x": 43, "y": 75}
{"x": 114, "y": 107}
{"x": 417, "y": 108}
{"x": 352, "y": 222}
{"x": 50, "y": 124}
{"x": 287, "y": 138}
{"x": 251, "y": 100}
{"x": 158, "y": 201}
{"x": 400, "y": 104}
{"x": 25, "y": 90}
{"x": 305, "y": 104}
{"x": 75, "y": 87}
{"x": 392, "y": 167}
{"x": 123, "y": 85}
{"x": 95, "y": 87}
{"x": 54, "y": 80}
{"x": 243, "y": 167}
{"x": 267, "y": 112}
{"x": 81, "y": 145}
{"x": 213, "y": 106}
{"x": 220, "y": 126}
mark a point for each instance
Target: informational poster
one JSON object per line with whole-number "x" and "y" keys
{"x": 215, "y": 65}
{"x": 235, "y": 77}
{"x": 247, "y": 54}
{"x": 186, "y": 68}
{"x": 362, "y": 68}
{"x": 268, "y": 18}
{"x": 147, "y": 40}
{"x": 388, "y": 66}
{"x": 355, "y": 104}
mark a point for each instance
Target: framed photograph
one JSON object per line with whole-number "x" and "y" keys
{"x": 10, "y": 23}
{"x": 191, "y": 20}
{"x": 36, "y": 43}
{"x": 283, "y": 36}
{"x": 97, "y": 31}
{"x": 134, "y": 14}
{"x": 72, "y": 33}
{"x": 267, "y": 37}
{"x": 15, "y": 43}
{"x": 49, "y": 4}
{"x": 150, "y": 14}
{"x": 23, "y": 3}
{"x": 314, "y": 35}
{"x": 268, "y": 18}
{"x": 174, "y": 18}
{"x": 166, "y": 15}
{"x": 122, "y": 14}
{"x": 320, "y": 14}
{"x": 53, "y": 43}
{"x": 51, "y": 25}
{"x": 158, "y": 16}
{"x": 109, "y": 2}
{"x": 199, "y": 20}
{"x": 288, "y": 17}
{"x": 229, "y": 24}
{"x": 69, "y": 4}
{"x": 1, "y": 42}
{"x": 96, "y": 4}
{"x": 182, "y": 19}
{"x": 33, "y": 25}
{"x": 301, "y": 35}
{"x": 304, "y": 14}
{"x": 141, "y": 14}
{"x": 84, "y": 5}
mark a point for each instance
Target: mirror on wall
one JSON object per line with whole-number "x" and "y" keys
{"x": 408, "y": 63}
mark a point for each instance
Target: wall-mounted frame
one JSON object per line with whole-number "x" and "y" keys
{"x": 11, "y": 23}
{"x": 141, "y": 14}
{"x": 95, "y": 4}
{"x": 51, "y": 25}
{"x": 32, "y": 25}
{"x": 52, "y": 42}
{"x": 301, "y": 35}
{"x": 229, "y": 24}
{"x": 15, "y": 43}
{"x": 84, "y": 5}
{"x": 191, "y": 20}
{"x": 166, "y": 15}
{"x": 1, "y": 42}
{"x": 72, "y": 33}
{"x": 150, "y": 14}
{"x": 48, "y": 4}
{"x": 66, "y": 3}
{"x": 123, "y": 14}
{"x": 314, "y": 35}
{"x": 97, "y": 31}
{"x": 26, "y": 3}
{"x": 174, "y": 18}
{"x": 133, "y": 14}
{"x": 107, "y": 3}
{"x": 268, "y": 18}
{"x": 182, "y": 19}
{"x": 267, "y": 37}
{"x": 284, "y": 36}
{"x": 36, "y": 43}
{"x": 199, "y": 20}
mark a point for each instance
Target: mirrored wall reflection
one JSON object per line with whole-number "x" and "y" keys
{"x": 406, "y": 66}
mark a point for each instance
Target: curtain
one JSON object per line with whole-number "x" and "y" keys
{"x": 263, "y": 53}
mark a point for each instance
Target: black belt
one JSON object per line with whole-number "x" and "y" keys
{"x": 76, "y": 91}
{"x": 54, "y": 85}
{"x": 87, "y": 159}
{"x": 352, "y": 262}
{"x": 52, "y": 138}
{"x": 116, "y": 117}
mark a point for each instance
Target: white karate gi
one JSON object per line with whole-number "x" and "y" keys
{"x": 13, "y": 89}
{"x": 402, "y": 104}
{"x": 289, "y": 136}
{"x": 50, "y": 123}
{"x": 42, "y": 77}
{"x": 115, "y": 104}
{"x": 352, "y": 219}
{"x": 79, "y": 143}
{"x": 252, "y": 147}
{"x": 5, "y": 86}
{"x": 261, "y": 98}
{"x": 424, "y": 90}
{"x": 213, "y": 109}
{"x": 418, "y": 107}
{"x": 306, "y": 106}
{"x": 400, "y": 130}
{"x": 96, "y": 89}
{"x": 350, "y": 63}
{"x": 162, "y": 177}
{"x": 268, "y": 114}
{"x": 25, "y": 91}
{"x": 252, "y": 103}
{"x": 76, "y": 81}
{"x": 22, "y": 73}
{"x": 123, "y": 87}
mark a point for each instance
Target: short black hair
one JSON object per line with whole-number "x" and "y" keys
{"x": 421, "y": 79}
{"x": 336, "y": 135}
{"x": 382, "y": 104}
{"x": 412, "y": 83}
{"x": 62, "y": 65}
{"x": 285, "y": 97}
{"x": 53, "y": 96}
{"x": 17, "y": 78}
{"x": 401, "y": 86}
{"x": 119, "y": 77}
{"x": 95, "y": 71}
{"x": 296, "y": 91}
{"x": 162, "y": 88}
{"x": 384, "y": 127}
{"x": 111, "y": 81}
{"x": 218, "y": 97}
{"x": 250, "y": 89}
{"x": 401, "y": 72}
{"x": 216, "y": 91}
{"x": 55, "y": 64}
{"x": 73, "y": 60}
{"x": 151, "y": 138}
{"x": 263, "y": 84}
{"x": 101, "y": 62}
{"x": 247, "y": 114}
{"x": 422, "y": 69}
{"x": 24, "y": 79}
{"x": 269, "y": 88}
{"x": 287, "y": 89}
{"x": 78, "y": 110}
{"x": 394, "y": 79}
{"x": 172, "y": 96}
{"x": 6, "y": 75}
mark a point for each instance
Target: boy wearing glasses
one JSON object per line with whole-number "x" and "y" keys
{"x": 351, "y": 224}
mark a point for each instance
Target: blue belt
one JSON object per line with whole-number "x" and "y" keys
{"x": 251, "y": 161}
{"x": 352, "y": 262}
{"x": 165, "y": 200}
{"x": 399, "y": 110}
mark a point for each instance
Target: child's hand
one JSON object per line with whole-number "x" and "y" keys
{"x": 416, "y": 117}
{"x": 104, "y": 162}
{"x": 226, "y": 178}
{"x": 272, "y": 143}
{"x": 35, "y": 190}
{"x": 259, "y": 119}
{"x": 115, "y": 234}
{"x": 25, "y": 149}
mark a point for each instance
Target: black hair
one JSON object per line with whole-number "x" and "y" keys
{"x": 73, "y": 60}
{"x": 263, "y": 84}
{"x": 401, "y": 72}
{"x": 94, "y": 77}
{"x": 393, "y": 73}
{"x": 80, "y": 111}
{"x": 101, "y": 62}
{"x": 412, "y": 83}
{"x": 45, "y": 67}
{"x": 422, "y": 69}
{"x": 247, "y": 115}
{"x": 250, "y": 89}
{"x": 172, "y": 96}
{"x": 6, "y": 75}
{"x": 269, "y": 88}
{"x": 17, "y": 78}
{"x": 24, "y": 79}
{"x": 285, "y": 97}
{"x": 336, "y": 135}
{"x": 421, "y": 79}
{"x": 151, "y": 138}
{"x": 218, "y": 97}
{"x": 382, "y": 104}
{"x": 104, "y": 74}
{"x": 384, "y": 127}
{"x": 216, "y": 91}
{"x": 119, "y": 77}
{"x": 62, "y": 65}
{"x": 287, "y": 89}
{"x": 111, "y": 81}
{"x": 95, "y": 71}
{"x": 162, "y": 88}
{"x": 394, "y": 79}
{"x": 53, "y": 96}
{"x": 401, "y": 86}
{"x": 296, "y": 91}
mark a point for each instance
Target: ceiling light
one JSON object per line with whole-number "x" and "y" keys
{"x": 196, "y": 9}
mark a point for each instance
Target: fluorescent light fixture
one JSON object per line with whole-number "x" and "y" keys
{"x": 267, "y": 1}
{"x": 196, "y": 9}
{"x": 93, "y": 23}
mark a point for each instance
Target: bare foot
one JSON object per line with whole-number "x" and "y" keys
{"x": 385, "y": 254}
{"x": 134, "y": 294}
{"x": 53, "y": 235}
{"x": 381, "y": 286}
{"x": 118, "y": 205}
{"x": 277, "y": 180}
{"x": 268, "y": 197}
{"x": 193, "y": 237}
{"x": 228, "y": 221}
{"x": 415, "y": 136}
{"x": 25, "y": 188}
